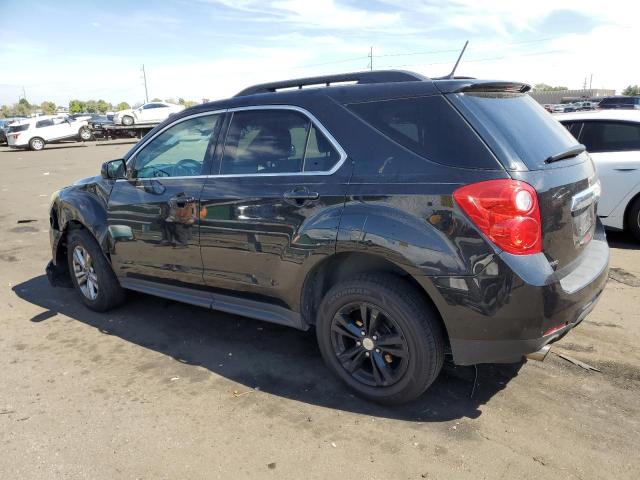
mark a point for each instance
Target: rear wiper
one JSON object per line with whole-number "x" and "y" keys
{"x": 572, "y": 152}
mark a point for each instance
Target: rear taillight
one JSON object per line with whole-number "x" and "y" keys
{"x": 506, "y": 211}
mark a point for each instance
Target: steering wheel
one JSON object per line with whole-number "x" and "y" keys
{"x": 187, "y": 167}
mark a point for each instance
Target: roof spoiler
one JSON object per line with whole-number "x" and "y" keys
{"x": 487, "y": 86}
{"x": 368, "y": 77}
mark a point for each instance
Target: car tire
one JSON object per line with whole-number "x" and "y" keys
{"x": 633, "y": 219}
{"x": 91, "y": 273}
{"x": 36, "y": 144}
{"x": 399, "y": 350}
{"x": 127, "y": 120}
{"x": 85, "y": 134}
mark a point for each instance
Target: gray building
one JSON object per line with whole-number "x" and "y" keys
{"x": 568, "y": 96}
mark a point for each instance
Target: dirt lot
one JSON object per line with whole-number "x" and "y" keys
{"x": 157, "y": 389}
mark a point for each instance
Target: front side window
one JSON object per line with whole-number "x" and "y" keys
{"x": 610, "y": 136}
{"x": 179, "y": 151}
{"x": 275, "y": 141}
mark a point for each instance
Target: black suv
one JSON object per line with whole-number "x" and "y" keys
{"x": 620, "y": 102}
{"x": 404, "y": 218}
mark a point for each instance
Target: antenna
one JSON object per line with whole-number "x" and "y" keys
{"x": 451, "y": 75}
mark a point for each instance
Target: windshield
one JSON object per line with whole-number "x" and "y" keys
{"x": 516, "y": 127}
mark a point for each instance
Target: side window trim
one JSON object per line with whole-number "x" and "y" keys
{"x": 313, "y": 122}
{"x": 208, "y": 157}
{"x": 212, "y": 156}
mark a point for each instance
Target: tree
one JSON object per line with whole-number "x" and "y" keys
{"x": 103, "y": 106}
{"x": 156, "y": 99}
{"x": 631, "y": 90}
{"x": 23, "y": 108}
{"x": 123, "y": 106}
{"x": 48, "y": 108}
{"x": 77, "y": 106}
{"x": 543, "y": 87}
{"x": 186, "y": 103}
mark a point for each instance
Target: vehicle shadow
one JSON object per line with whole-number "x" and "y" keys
{"x": 278, "y": 360}
{"x": 622, "y": 240}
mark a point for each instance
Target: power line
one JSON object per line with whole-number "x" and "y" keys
{"x": 478, "y": 60}
{"x": 369, "y": 57}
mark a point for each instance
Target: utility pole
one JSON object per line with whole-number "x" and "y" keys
{"x": 590, "y": 81}
{"x": 584, "y": 85}
{"x": 370, "y": 58}
{"x": 144, "y": 77}
{"x": 24, "y": 94}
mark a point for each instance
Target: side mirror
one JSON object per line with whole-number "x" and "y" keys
{"x": 113, "y": 169}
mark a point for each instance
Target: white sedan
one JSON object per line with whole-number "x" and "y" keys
{"x": 612, "y": 137}
{"x": 153, "y": 112}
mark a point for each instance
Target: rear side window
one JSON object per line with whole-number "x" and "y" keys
{"x": 573, "y": 127}
{"x": 44, "y": 123}
{"x": 430, "y": 127}
{"x": 610, "y": 136}
{"x": 515, "y": 126}
{"x": 275, "y": 141}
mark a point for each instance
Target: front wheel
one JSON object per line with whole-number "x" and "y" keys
{"x": 633, "y": 219}
{"x": 381, "y": 338}
{"x": 127, "y": 120}
{"x": 91, "y": 273}
{"x": 85, "y": 134}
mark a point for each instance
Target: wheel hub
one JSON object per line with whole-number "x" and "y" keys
{"x": 368, "y": 344}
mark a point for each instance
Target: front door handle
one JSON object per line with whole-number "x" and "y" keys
{"x": 301, "y": 195}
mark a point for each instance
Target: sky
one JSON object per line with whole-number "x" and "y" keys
{"x": 60, "y": 50}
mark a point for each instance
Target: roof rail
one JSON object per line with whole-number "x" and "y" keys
{"x": 376, "y": 76}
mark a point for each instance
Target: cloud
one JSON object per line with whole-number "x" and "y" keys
{"x": 217, "y": 47}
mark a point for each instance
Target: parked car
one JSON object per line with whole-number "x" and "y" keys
{"x": 405, "y": 218}
{"x": 97, "y": 124}
{"x": 34, "y": 133}
{"x": 620, "y": 102}
{"x": 612, "y": 138}
{"x": 147, "y": 113}
{"x": 559, "y": 108}
{"x": 548, "y": 107}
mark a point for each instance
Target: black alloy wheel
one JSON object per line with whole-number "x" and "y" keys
{"x": 369, "y": 344}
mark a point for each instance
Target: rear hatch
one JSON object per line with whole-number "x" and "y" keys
{"x": 536, "y": 149}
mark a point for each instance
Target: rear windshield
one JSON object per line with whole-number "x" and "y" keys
{"x": 515, "y": 126}
{"x": 18, "y": 128}
{"x": 430, "y": 127}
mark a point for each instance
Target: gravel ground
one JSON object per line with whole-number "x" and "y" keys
{"x": 157, "y": 389}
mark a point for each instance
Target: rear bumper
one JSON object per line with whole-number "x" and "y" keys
{"x": 515, "y": 306}
{"x": 469, "y": 352}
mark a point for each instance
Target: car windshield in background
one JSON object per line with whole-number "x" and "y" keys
{"x": 18, "y": 128}
{"x": 515, "y": 126}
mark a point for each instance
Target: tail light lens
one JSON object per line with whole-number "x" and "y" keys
{"x": 506, "y": 211}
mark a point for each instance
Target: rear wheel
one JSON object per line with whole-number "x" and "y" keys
{"x": 91, "y": 273}
{"x": 633, "y": 219}
{"x": 381, "y": 338}
{"x": 36, "y": 143}
{"x": 127, "y": 120}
